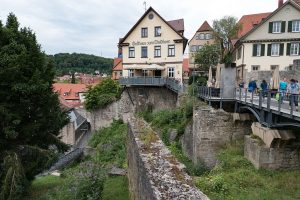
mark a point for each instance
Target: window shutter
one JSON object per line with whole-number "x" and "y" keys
{"x": 288, "y": 49}
{"x": 262, "y": 49}
{"x": 254, "y": 50}
{"x": 298, "y": 47}
{"x": 281, "y": 49}
{"x": 270, "y": 27}
{"x": 290, "y": 26}
{"x": 282, "y": 26}
{"x": 269, "y": 49}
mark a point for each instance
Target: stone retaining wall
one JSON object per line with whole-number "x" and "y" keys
{"x": 152, "y": 171}
{"x": 260, "y": 156}
{"x": 155, "y": 98}
{"x": 211, "y": 130}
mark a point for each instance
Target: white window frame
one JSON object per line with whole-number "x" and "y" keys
{"x": 193, "y": 48}
{"x": 131, "y": 72}
{"x": 294, "y": 50}
{"x": 276, "y": 27}
{"x": 157, "y": 51}
{"x": 145, "y": 72}
{"x": 258, "y": 50}
{"x": 201, "y": 36}
{"x": 131, "y": 52}
{"x": 199, "y": 47}
{"x": 171, "y": 50}
{"x": 296, "y": 26}
{"x": 275, "y": 49}
{"x": 157, "y": 31}
{"x": 171, "y": 72}
{"x": 144, "y": 32}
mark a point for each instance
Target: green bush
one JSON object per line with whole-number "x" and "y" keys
{"x": 110, "y": 144}
{"x": 102, "y": 94}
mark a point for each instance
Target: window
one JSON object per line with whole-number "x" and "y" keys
{"x": 208, "y": 36}
{"x": 144, "y": 32}
{"x": 131, "y": 73}
{"x": 171, "y": 72}
{"x": 157, "y": 51}
{"x": 144, "y": 52}
{"x": 199, "y": 47}
{"x": 131, "y": 52}
{"x": 157, "y": 31}
{"x": 275, "y": 49}
{"x": 258, "y": 50}
{"x": 201, "y": 36}
{"x": 121, "y": 73}
{"x": 276, "y": 27}
{"x": 273, "y": 67}
{"x": 194, "y": 48}
{"x": 296, "y": 26}
{"x": 145, "y": 72}
{"x": 239, "y": 53}
{"x": 294, "y": 49}
{"x": 255, "y": 67}
{"x": 171, "y": 50}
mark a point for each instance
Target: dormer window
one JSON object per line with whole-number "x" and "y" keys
{"x": 157, "y": 31}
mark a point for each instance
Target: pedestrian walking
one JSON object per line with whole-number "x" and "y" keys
{"x": 264, "y": 88}
{"x": 293, "y": 90}
{"x": 282, "y": 89}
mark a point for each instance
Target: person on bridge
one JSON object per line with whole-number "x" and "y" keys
{"x": 282, "y": 89}
{"x": 264, "y": 88}
{"x": 293, "y": 90}
{"x": 252, "y": 85}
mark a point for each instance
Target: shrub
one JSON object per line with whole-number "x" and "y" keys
{"x": 102, "y": 94}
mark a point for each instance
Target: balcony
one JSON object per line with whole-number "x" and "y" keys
{"x": 170, "y": 83}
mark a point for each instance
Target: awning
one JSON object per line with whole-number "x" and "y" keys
{"x": 134, "y": 66}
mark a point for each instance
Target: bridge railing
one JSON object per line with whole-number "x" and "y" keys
{"x": 209, "y": 92}
{"x": 267, "y": 99}
{"x": 170, "y": 83}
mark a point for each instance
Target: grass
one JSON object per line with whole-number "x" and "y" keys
{"x": 116, "y": 188}
{"x": 236, "y": 178}
{"x": 41, "y": 186}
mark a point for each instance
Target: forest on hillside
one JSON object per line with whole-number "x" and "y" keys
{"x": 64, "y": 63}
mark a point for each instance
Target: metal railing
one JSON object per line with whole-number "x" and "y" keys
{"x": 267, "y": 99}
{"x": 170, "y": 83}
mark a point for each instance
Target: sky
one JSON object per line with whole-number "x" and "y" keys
{"x": 95, "y": 26}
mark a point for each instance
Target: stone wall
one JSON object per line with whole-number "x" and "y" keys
{"x": 260, "y": 156}
{"x": 154, "y": 173}
{"x": 67, "y": 134}
{"x": 155, "y": 98}
{"x": 211, "y": 130}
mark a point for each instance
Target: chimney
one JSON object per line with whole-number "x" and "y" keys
{"x": 280, "y": 3}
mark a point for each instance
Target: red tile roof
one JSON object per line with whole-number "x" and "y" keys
{"x": 250, "y": 21}
{"x": 69, "y": 91}
{"x": 205, "y": 27}
{"x": 177, "y": 24}
{"x": 118, "y": 64}
{"x": 297, "y": 1}
{"x": 185, "y": 65}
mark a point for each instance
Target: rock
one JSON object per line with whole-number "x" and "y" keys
{"x": 172, "y": 134}
{"x": 115, "y": 171}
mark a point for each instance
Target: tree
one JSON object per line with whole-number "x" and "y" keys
{"x": 30, "y": 114}
{"x": 208, "y": 55}
{"x": 225, "y": 30}
{"x": 102, "y": 94}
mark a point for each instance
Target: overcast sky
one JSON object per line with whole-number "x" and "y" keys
{"x": 94, "y": 26}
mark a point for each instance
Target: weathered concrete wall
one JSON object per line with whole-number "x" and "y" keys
{"x": 154, "y": 173}
{"x": 260, "y": 156}
{"x": 67, "y": 134}
{"x": 228, "y": 75}
{"x": 156, "y": 98}
{"x": 211, "y": 130}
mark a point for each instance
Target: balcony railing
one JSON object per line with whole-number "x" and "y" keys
{"x": 170, "y": 83}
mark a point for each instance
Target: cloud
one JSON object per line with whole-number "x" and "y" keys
{"x": 95, "y": 26}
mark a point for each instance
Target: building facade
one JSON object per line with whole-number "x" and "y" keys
{"x": 153, "y": 47}
{"x": 272, "y": 43}
{"x": 203, "y": 36}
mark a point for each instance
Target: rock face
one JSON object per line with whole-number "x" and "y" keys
{"x": 154, "y": 173}
{"x": 133, "y": 100}
{"x": 211, "y": 130}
